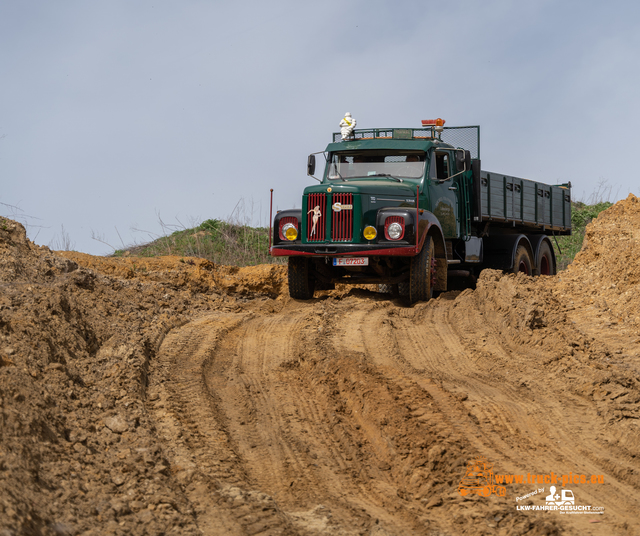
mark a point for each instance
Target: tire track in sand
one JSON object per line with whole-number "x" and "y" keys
{"x": 287, "y": 443}
{"x": 196, "y": 436}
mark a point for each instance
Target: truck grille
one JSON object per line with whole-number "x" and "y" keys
{"x": 341, "y": 210}
{"x": 342, "y": 218}
{"x": 316, "y": 234}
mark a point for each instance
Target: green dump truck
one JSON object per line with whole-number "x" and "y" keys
{"x": 411, "y": 210}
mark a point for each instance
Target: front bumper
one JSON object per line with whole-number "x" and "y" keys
{"x": 336, "y": 250}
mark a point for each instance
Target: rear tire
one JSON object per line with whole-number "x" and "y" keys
{"x": 301, "y": 283}
{"x": 522, "y": 261}
{"x": 422, "y": 276}
{"x": 546, "y": 264}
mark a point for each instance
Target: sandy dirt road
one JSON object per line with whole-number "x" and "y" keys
{"x": 172, "y": 396}
{"x": 358, "y": 415}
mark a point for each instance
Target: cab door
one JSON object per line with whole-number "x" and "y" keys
{"x": 444, "y": 191}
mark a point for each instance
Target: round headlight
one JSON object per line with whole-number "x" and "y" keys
{"x": 394, "y": 231}
{"x": 369, "y": 232}
{"x": 289, "y": 230}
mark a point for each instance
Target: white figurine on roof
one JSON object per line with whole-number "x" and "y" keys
{"x": 347, "y": 125}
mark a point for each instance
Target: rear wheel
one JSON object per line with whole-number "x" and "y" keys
{"x": 545, "y": 265}
{"x": 301, "y": 282}
{"x": 423, "y": 273}
{"x": 522, "y": 261}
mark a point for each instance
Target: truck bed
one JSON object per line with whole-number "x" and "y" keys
{"x": 524, "y": 202}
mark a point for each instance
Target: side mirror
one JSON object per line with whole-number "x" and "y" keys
{"x": 463, "y": 160}
{"x": 311, "y": 164}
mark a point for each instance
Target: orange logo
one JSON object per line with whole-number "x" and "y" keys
{"x": 479, "y": 479}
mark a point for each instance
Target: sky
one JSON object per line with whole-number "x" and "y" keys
{"x": 122, "y": 121}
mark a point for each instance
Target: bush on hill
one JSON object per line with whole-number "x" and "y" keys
{"x": 218, "y": 241}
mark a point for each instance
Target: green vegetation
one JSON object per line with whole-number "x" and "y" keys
{"x": 218, "y": 241}
{"x": 581, "y": 215}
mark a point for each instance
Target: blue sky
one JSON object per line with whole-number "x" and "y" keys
{"x": 119, "y": 115}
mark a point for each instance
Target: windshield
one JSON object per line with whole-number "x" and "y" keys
{"x": 406, "y": 165}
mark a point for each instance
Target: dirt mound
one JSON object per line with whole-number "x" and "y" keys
{"x": 21, "y": 260}
{"x": 194, "y": 274}
{"x": 77, "y": 333}
{"x": 607, "y": 270}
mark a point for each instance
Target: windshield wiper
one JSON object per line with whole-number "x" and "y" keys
{"x": 386, "y": 175}
{"x": 339, "y": 176}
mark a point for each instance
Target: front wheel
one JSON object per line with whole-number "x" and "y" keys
{"x": 301, "y": 283}
{"x": 423, "y": 273}
{"x": 384, "y": 288}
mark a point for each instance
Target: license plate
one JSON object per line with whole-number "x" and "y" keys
{"x": 351, "y": 261}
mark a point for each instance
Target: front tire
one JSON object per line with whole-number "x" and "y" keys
{"x": 403, "y": 288}
{"x": 423, "y": 273}
{"x": 384, "y": 288}
{"x": 301, "y": 283}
